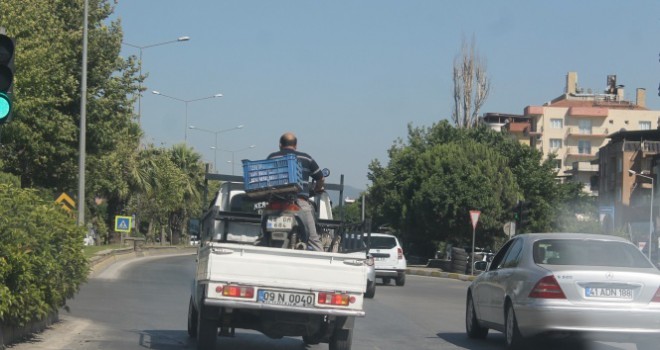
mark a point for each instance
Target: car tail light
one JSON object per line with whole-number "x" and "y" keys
{"x": 236, "y": 291}
{"x": 547, "y": 288}
{"x": 656, "y": 297}
{"x": 399, "y": 253}
{"x": 335, "y": 299}
{"x": 288, "y": 206}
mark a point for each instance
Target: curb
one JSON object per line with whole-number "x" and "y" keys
{"x": 97, "y": 263}
{"x": 433, "y": 272}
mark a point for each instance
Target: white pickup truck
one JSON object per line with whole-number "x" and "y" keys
{"x": 278, "y": 292}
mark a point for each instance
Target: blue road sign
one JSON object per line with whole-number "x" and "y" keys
{"x": 123, "y": 223}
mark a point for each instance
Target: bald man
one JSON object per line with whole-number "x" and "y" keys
{"x": 289, "y": 145}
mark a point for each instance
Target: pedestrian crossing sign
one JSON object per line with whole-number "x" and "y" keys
{"x": 123, "y": 223}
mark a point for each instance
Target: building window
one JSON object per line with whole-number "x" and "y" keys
{"x": 557, "y": 123}
{"x": 619, "y": 165}
{"x": 584, "y": 147}
{"x": 644, "y": 125}
{"x": 555, "y": 144}
{"x": 557, "y": 163}
{"x": 585, "y": 126}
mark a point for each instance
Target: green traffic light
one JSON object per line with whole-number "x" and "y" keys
{"x": 5, "y": 106}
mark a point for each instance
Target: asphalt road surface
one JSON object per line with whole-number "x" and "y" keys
{"x": 143, "y": 304}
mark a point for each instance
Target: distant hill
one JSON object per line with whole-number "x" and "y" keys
{"x": 349, "y": 192}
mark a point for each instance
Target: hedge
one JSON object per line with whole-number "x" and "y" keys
{"x": 41, "y": 258}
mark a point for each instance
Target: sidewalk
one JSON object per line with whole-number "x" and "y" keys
{"x": 422, "y": 270}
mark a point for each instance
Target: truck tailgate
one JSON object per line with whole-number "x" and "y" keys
{"x": 283, "y": 273}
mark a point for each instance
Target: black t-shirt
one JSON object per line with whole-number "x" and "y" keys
{"x": 309, "y": 166}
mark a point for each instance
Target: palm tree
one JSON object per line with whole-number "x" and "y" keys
{"x": 190, "y": 163}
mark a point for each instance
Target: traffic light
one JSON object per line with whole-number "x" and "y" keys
{"x": 6, "y": 77}
{"x": 516, "y": 214}
{"x": 525, "y": 214}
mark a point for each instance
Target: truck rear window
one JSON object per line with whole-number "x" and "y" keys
{"x": 243, "y": 204}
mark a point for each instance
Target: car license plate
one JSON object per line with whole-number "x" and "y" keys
{"x": 612, "y": 293}
{"x": 279, "y": 222}
{"x": 274, "y": 297}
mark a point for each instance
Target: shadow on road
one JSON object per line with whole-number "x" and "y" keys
{"x": 495, "y": 340}
{"x": 178, "y": 339}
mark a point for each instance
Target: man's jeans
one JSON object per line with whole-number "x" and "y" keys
{"x": 306, "y": 215}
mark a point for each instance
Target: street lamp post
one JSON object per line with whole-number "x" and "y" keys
{"x": 215, "y": 133}
{"x": 632, "y": 172}
{"x": 141, "y": 48}
{"x": 233, "y": 152}
{"x": 185, "y": 136}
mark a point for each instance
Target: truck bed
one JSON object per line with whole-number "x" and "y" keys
{"x": 282, "y": 270}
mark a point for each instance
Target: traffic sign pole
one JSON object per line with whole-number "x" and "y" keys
{"x": 474, "y": 217}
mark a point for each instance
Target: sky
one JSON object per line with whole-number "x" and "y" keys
{"x": 349, "y": 76}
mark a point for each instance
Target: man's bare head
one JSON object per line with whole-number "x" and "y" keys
{"x": 288, "y": 140}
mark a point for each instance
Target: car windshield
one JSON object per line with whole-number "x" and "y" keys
{"x": 588, "y": 253}
{"x": 382, "y": 242}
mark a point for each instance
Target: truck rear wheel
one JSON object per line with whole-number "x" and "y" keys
{"x": 207, "y": 327}
{"x": 192, "y": 319}
{"x": 342, "y": 336}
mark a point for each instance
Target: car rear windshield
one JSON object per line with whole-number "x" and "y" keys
{"x": 588, "y": 253}
{"x": 382, "y": 242}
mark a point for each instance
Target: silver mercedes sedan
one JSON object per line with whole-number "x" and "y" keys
{"x": 566, "y": 284}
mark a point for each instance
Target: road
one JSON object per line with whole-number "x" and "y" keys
{"x": 142, "y": 304}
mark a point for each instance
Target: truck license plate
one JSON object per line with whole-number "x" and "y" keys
{"x": 274, "y": 297}
{"x": 279, "y": 223}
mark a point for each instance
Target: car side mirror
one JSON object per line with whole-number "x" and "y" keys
{"x": 481, "y": 266}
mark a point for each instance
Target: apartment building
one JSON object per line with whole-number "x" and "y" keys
{"x": 627, "y": 174}
{"x": 516, "y": 125}
{"x": 575, "y": 125}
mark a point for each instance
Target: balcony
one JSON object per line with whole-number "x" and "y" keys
{"x": 587, "y": 133}
{"x": 650, "y": 147}
{"x": 533, "y": 110}
{"x": 584, "y": 167}
{"x": 580, "y": 152}
{"x": 588, "y": 112}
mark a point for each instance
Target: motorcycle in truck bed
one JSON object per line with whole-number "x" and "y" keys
{"x": 276, "y": 291}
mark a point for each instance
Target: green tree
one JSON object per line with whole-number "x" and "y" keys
{"x": 41, "y": 143}
{"x": 192, "y": 167}
{"x": 41, "y": 258}
{"x": 441, "y": 172}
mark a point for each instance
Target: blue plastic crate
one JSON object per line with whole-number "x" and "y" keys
{"x": 277, "y": 175}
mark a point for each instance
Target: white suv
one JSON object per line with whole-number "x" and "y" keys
{"x": 388, "y": 258}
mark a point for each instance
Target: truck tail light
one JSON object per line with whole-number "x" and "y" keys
{"x": 547, "y": 288}
{"x": 335, "y": 299}
{"x": 235, "y": 291}
{"x": 399, "y": 253}
{"x": 282, "y": 206}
